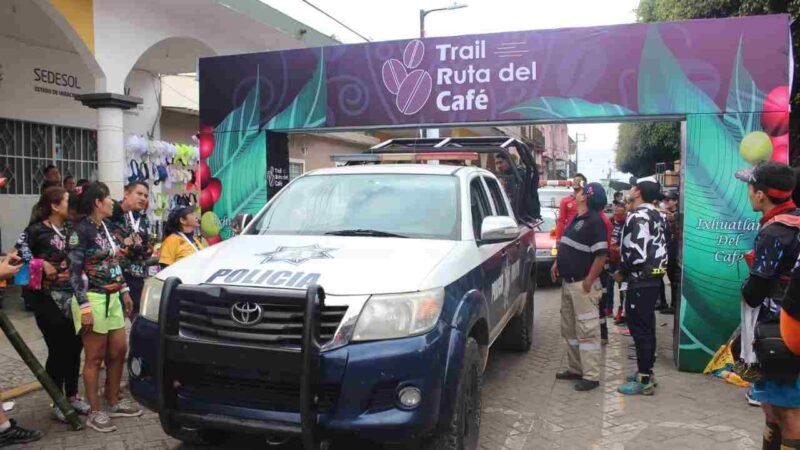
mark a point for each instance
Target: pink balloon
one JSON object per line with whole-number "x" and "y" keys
{"x": 776, "y": 122}
{"x": 780, "y": 148}
{"x": 215, "y": 188}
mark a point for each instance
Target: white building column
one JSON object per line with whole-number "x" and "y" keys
{"x": 110, "y": 137}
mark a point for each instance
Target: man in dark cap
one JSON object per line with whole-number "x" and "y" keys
{"x": 775, "y": 254}
{"x": 643, "y": 264}
{"x": 582, "y": 253}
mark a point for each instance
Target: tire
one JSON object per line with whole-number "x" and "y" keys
{"x": 462, "y": 431}
{"x": 199, "y": 437}
{"x": 518, "y": 334}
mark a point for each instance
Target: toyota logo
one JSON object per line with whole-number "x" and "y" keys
{"x": 246, "y": 313}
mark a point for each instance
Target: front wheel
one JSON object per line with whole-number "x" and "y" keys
{"x": 463, "y": 429}
{"x": 518, "y": 334}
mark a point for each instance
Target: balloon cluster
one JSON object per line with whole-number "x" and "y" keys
{"x": 210, "y": 188}
{"x": 772, "y": 143}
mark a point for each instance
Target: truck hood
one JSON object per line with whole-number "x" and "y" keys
{"x": 342, "y": 265}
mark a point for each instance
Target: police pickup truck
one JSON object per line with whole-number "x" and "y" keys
{"x": 361, "y": 301}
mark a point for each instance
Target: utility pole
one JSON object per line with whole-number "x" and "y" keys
{"x": 579, "y": 137}
{"x": 433, "y": 132}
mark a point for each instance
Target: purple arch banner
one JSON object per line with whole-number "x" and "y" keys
{"x": 598, "y": 72}
{"x": 729, "y": 78}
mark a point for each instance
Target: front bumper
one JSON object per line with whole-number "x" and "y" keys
{"x": 357, "y": 384}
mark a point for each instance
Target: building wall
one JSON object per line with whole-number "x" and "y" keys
{"x": 316, "y": 150}
{"x": 178, "y": 127}
{"x": 29, "y": 87}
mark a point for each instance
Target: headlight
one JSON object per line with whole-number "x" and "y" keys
{"x": 151, "y": 299}
{"x": 399, "y": 315}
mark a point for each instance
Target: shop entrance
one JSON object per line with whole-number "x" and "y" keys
{"x": 727, "y": 78}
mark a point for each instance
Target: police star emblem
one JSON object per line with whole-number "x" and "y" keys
{"x": 296, "y": 255}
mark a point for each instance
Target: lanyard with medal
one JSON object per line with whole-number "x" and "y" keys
{"x": 134, "y": 223}
{"x": 116, "y": 270}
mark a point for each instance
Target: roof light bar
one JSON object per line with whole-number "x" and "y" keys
{"x": 405, "y": 157}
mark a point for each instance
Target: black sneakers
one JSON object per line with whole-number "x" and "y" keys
{"x": 18, "y": 435}
{"x": 586, "y": 385}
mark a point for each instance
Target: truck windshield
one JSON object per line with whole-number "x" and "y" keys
{"x": 379, "y": 205}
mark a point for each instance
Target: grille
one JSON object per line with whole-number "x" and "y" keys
{"x": 256, "y": 389}
{"x": 280, "y": 324}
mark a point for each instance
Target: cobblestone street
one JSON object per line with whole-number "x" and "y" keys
{"x": 525, "y": 408}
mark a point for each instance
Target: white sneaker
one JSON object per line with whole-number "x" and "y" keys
{"x": 100, "y": 422}
{"x": 124, "y": 409}
{"x": 750, "y": 400}
{"x": 81, "y": 406}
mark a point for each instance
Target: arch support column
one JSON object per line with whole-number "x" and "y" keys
{"x": 110, "y": 136}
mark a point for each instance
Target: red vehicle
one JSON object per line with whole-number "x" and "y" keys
{"x": 546, "y": 248}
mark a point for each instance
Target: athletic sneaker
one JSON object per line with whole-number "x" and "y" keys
{"x": 586, "y": 385}
{"x": 124, "y": 409}
{"x": 632, "y": 377}
{"x": 99, "y": 421}
{"x": 18, "y": 435}
{"x": 642, "y": 385}
{"x": 750, "y": 400}
{"x": 80, "y": 405}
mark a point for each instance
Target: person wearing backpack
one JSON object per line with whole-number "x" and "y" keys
{"x": 764, "y": 359}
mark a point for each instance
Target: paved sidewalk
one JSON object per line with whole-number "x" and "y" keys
{"x": 524, "y": 406}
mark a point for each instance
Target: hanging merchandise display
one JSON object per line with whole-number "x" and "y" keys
{"x": 170, "y": 169}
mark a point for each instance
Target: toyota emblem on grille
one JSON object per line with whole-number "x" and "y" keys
{"x": 246, "y": 313}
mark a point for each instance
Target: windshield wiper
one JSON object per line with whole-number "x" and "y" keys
{"x": 364, "y": 232}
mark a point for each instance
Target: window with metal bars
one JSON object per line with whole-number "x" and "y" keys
{"x": 26, "y": 148}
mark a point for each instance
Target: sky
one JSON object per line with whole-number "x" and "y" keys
{"x": 381, "y": 20}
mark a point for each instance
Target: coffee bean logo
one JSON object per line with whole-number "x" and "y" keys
{"x": 412, "y": 89}
{"x": 412, "y": 56}
{"x": 394, "y": 73}
{"x": 414, "y": 92}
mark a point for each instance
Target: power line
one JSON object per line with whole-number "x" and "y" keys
{"x": 337, "y": 21}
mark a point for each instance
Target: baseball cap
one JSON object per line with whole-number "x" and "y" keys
{"x": 649, "y": 187}
{"x": 778, "y": 179}
{"x": 595, "y": 196}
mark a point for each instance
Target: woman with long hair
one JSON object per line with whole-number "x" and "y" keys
{"x": 45, "y": 240}
{"x": 179, "y": 236}
{"x": 100, "y": 306}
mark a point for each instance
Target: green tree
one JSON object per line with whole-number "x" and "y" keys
{"x": 641, "y": 145}
{"x": 667, "y": 10}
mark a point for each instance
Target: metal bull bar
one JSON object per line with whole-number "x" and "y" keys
{"x": 174, "y": 348}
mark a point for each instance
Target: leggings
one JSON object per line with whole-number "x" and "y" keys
{"x": 64, "y": 347}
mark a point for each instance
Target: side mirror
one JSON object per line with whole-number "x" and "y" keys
{"x": 499, "y": 229}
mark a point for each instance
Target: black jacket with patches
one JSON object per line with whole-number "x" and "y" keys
{"x": 644, "y": 248}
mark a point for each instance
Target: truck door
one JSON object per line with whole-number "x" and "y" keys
{"x": 491, "y": 257}
{"x": 511, "y": 251}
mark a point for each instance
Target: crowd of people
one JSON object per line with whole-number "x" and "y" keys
{"x": 639, "y": 245}
{"x": 88, "y": 256}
